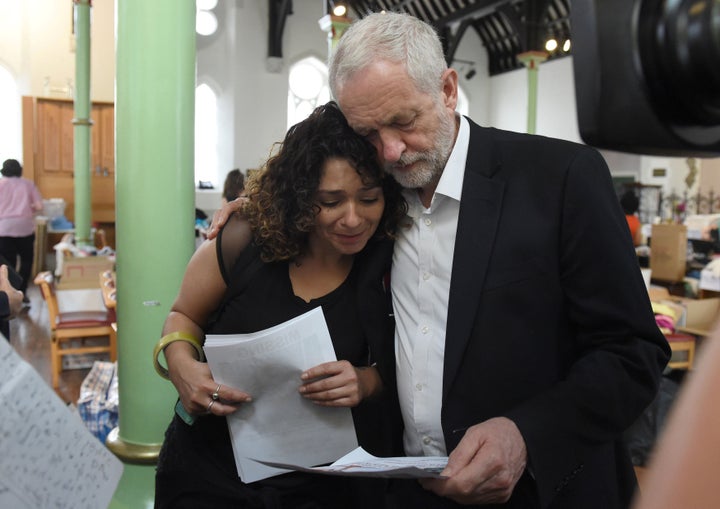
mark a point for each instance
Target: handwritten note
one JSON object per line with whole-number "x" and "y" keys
{"x": 48, "y": 458}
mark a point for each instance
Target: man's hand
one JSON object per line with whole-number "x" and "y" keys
{"x": 15, "y": 297}
{"x": 220, "y": 217}
{"x": 485, "y": 466}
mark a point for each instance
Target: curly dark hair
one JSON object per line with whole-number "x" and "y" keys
{"x": 281, "y": 206}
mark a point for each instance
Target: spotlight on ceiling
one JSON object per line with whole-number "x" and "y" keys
{"x": 566, "y": 45}
{"x": 338, "y": 8}
{"x": 466, "y": 64}
{"x": 551, "y": 45}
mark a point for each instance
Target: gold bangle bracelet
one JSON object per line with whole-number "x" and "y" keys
{"x": 171, "y": 338}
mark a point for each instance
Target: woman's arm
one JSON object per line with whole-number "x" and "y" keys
{"x": 200, "y": 295}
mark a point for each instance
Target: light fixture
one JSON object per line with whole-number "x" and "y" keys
{"x": 338, "y": 8}
{"x": 551, "y": 44}
{"x": 566, "y": 45}
{"x": 466, "y": 64}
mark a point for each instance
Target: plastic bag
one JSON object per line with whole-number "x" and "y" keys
{"x": 98, "y": 402}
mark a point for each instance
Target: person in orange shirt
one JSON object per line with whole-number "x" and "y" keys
{"x": 630, "y": 204}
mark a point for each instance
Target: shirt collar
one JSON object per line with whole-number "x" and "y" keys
{"x": 451, "y": 180}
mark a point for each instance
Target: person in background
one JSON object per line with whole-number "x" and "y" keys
{"x": 11, "y": 301}
{"x": 233, "y": 186}
{"x": 20, "y": 200}
{"x": 630, "y": 205}
{"x": 525, "y": 341}
{"x": 317, "y": 226}
{"x": 685, "y": 464}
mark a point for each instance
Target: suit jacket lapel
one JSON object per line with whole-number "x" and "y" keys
{"x": 478, "y": 219}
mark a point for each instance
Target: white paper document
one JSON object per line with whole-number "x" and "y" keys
{"x": 48, "y": 458}
{"x": 279, "y": 425}
{"x": 360, "y": 463}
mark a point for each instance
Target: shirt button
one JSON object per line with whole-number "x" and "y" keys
{"x": 424, "y": 330}
{"x": 426, "y": 276}
{"x": 418, "y": 387}
{"x": 427, "y": 440}
{"x": 428, "y": 222}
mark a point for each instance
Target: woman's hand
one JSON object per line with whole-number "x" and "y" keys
{"x": 339, "y": 383}
{"x": 199, "y": 392}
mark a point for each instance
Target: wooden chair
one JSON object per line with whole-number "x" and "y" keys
{"x": 681, "y": 343}
{"x": 76, "y": 327}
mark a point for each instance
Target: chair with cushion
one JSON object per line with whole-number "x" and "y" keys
{"x": 71, "y": 331}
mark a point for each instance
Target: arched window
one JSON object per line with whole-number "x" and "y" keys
{"x": 11, "y": 125}
{"x": 308, "y": 88}
{"x": 206, "y": 134}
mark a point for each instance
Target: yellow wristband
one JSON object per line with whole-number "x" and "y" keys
{"x": 171, "y": 338}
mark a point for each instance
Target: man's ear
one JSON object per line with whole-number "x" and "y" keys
{"x": 450, "y": 88}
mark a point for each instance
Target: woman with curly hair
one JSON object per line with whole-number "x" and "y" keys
{"x": 316, "y": 230}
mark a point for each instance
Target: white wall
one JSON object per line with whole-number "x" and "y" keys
{"x": 36, "y": 42}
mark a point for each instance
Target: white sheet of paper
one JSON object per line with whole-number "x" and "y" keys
{"x": 48, "y": 458}
{"x": 279, "y": 424}
{"x": 360, "y": 463}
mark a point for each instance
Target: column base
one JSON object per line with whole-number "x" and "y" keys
{"x": 139, "y": 454}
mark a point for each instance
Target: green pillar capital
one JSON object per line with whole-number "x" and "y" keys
{"x": 532, "y": 60}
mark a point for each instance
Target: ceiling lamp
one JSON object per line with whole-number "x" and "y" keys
{"x": 338, "y": 8}
{"x": 551, "y": 45}
{"x": 566, "y": 45}
{"x": 466, "y": 64}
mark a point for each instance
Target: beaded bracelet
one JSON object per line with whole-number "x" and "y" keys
{"x": 171, "y": 338}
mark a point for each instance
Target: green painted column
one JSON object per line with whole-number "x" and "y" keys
{"x": 532, "y": 61}
{"x": 155, "y": 214}
{"x": 82, "y": 123}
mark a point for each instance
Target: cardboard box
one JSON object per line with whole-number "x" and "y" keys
{"x": 668, "y": 252}
{"x": 709, "y": 281}
{"x": 700, "y": 316}
{"x": 83, "y": 272}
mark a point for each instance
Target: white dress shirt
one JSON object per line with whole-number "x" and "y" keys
{"x": 422, "y": 265}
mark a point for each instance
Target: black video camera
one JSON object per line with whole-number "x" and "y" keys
{"x": 647, "y": 75}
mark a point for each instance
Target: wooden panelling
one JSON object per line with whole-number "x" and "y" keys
{"x": 48, "y": 133}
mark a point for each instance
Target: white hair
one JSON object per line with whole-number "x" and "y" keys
{"x": 394, "y": 37}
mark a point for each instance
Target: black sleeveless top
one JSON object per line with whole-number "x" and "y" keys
{"x": 268, "y": 300}
{"x": 198, "y": 459}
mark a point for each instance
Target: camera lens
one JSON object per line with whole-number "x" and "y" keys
{"x": 679, "y": 52}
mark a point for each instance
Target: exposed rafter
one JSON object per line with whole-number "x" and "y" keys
{"x": 505, "y": 27}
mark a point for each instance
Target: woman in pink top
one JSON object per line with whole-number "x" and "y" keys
{"x": 20, "y": 200}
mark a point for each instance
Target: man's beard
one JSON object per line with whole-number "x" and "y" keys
{"x": 429, "y": 164}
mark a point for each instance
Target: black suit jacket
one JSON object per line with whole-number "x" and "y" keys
{"x": 549, "y": 321}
